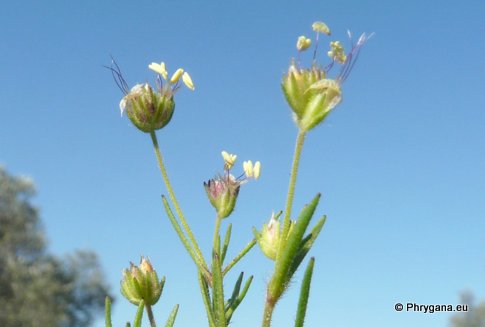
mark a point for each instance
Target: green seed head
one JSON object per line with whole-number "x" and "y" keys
{"x": 310, "y": 95}
{"x": 148, "y": 110}
{"x": 141, "y": 283}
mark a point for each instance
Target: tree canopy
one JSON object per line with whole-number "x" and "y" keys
{"x": 474, "y": 317}
{"x": 38, "y": 288}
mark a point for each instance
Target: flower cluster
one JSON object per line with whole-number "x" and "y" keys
{"x": 310, "y": 93}
{"x": 223, "y": 190}
{"x": 151, "y": 109}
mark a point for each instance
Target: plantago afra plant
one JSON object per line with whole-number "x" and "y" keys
{"x": 312, "y": 92}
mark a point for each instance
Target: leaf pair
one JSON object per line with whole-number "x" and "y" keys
{"x": 294, "y": 249}
{"x": 237, "y": 296}
{"x": 222, "y": 311}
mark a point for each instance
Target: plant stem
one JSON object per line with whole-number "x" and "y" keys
{"x": 206, "y": 298}
{"x": 139, "y": 315}
{"x": 268, "y": 313}
{"x": 150, "y": 315}
{"x": 174, "y": 199}
{"x": 107, "y": 306}
{"x": 218, "y": 292}
{"x": 216, "y": 240}
{"x": 271, "y": 302}
{"x": 300, "y": 139}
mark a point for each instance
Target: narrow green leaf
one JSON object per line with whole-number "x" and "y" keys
{"x": 207, "y": 301}
{"x": 139, "y": 314}
{"x": 235, "y": 292}
{"x": 107, "y": 310}
{"x": 239, "y": 299}
{"x": 284, "y": 261}
{"x": 218, "y": 292}
{"x": 256, "y": 233}
{"x": 162, "y": 284}
{"x": 183, "y": 238}
{"x": 225, "y": 245}
{"x": 173, "y": 315}
{"x": 244, "y": 291}
{"x": 128, "y": 324}
{"x": 304, "y": 294}
{"x": 306, "y": 245}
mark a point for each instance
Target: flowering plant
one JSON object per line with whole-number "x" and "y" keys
{"x": 312, "y": 93}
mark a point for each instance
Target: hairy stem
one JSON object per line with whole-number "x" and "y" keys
{"x": 270, "y": 301}
{"x": 171, "y": 193}
{"x": 300, "y": 139}
{"x": 268, "y": 313}
{"x": 151, "y": 318}
{"x": 216, "y": 239}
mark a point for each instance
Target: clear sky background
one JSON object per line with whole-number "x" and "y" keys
{"x": 400, "y": 162}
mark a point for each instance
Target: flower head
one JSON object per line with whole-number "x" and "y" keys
{"x": 222, "y": 192}
{"x": 223, "y": 189}
{"x": 141, "y": 283}
{"x": 148, "y": 108}
{"x": 310, "y": 92}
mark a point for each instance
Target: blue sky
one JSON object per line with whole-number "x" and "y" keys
{"x": 400, "y": 162}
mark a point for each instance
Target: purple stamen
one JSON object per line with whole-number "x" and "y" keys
{"x": 352, "y": 57}
{"x": 118, "y": 77}
{"x": 159, "y": 83}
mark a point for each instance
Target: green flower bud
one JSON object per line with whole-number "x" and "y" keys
{"x": 141, "y": 283}
{"x": 310, "y": 95}
{"x": 270, "y": 236}
{"x": 222, "y": 193}
{"x": 148, "y": 110}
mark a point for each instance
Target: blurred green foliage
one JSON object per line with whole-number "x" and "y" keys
{"x": 474, "y": 317}
{"x": 38, "y": 288}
